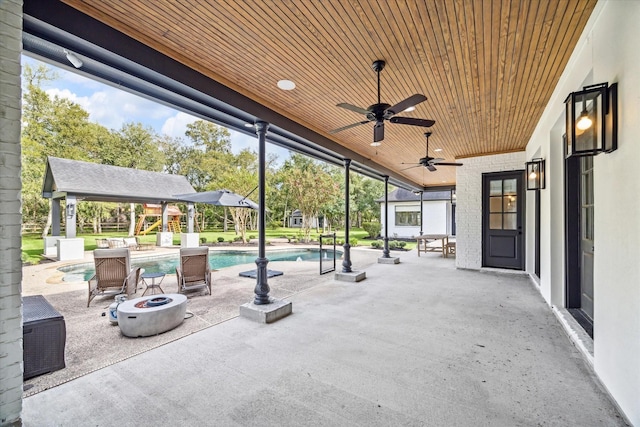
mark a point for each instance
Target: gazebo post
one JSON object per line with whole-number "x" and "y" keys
{"x": 55, "y": 217}
{"x": 70, "y": 217}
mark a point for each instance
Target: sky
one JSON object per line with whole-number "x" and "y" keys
{"x": 112, "y": 107}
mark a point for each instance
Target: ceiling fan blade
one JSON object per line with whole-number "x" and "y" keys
{"x": 403, "y": 105}
{"x": 413, "y": 121}
{"x": 431, "y": 168}
{"x": 353, "y": 108}
{"x": 449, "y": 164}
{"x": 378, "y": 132}
{"x": 436, "y": 160}
{"x": 410, "y": 167}
{"x": 349, "y": 126}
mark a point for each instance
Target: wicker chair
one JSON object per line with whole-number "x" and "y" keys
{"x": 113, "y": 273}
{"x": 194, "y": 271}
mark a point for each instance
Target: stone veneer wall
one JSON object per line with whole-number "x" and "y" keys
{"x": 10, "y": 214}
{"x": 469, "y": 203}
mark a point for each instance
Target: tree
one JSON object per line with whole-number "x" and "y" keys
{"x": 364, "y": 193}
{"x": 135, "y": 147}
{"x": 311, "y": 188}
{"x": 51, "y": 127}
{"x": 242, "y": 179}
{"x": 209, "y": 137}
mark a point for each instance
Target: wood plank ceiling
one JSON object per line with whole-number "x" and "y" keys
{"x": 487, "y": 67}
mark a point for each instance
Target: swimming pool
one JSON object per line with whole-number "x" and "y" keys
{"x": 217, "y": 259}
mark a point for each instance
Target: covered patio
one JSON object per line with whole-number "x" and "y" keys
{"x": 494, "y": 76}
{"x": 455, "y": 348}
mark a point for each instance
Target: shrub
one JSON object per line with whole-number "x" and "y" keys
{"x": 353, "y": 241}
{"x": 372, "y": 229}
{"x": 251, "y": 236}
{"x": 402, "y": 244}
{"x": 393, "y": 244}
{"x": 274, "y": 225}
{"x": 220, "y": 239}
{"x": 376, "y": 244}
{"x": 237, "y": 239}
{"x": 203, "y": 240}
{"x": 340, "y": 242}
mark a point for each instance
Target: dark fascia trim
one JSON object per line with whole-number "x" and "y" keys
{"x": 113, "y": 54}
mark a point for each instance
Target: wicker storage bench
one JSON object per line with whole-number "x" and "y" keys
{"x": 44, "y": 337}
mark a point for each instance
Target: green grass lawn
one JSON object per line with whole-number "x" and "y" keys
{"x": 33, "y": 244}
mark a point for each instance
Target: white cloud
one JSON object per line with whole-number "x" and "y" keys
{"x": 241, "y": 141}
{"x": 176, "y": 125}
{"x": 112, "y": 107}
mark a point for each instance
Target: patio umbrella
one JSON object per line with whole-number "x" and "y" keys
{"x": 218, "y": 198}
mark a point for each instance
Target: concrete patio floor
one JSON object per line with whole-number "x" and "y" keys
{"x": 417, "y": 343}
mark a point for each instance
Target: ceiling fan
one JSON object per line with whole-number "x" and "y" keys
{"x": 380, "y": 112}
{"x": 430, "y": 162}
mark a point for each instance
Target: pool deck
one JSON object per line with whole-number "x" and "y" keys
{"x": 93, "y": 343}
{"x": 419, "y": 343}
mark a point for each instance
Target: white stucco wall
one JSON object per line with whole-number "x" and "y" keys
{"x": 436, "y": 218}
{"x": 607, "y": 52}
{"x": 469, "y": 204}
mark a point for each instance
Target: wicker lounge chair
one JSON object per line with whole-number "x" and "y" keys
{"x": 113, "y": 273}
{"x": 193, "y": 271}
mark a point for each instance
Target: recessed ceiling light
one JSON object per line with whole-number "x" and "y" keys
{"x": 408, "y": 110}
{"x": 286, "y": 85}
{"x": 376, "y": 144}
{"x": 437, "y": 150}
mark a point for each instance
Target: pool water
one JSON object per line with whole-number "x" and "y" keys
{"x": 217, "y": 259}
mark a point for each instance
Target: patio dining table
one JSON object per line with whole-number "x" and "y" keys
{"x": 424, "y": 240}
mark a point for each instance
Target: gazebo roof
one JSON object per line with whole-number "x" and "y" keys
{"x": 104, "y": 183}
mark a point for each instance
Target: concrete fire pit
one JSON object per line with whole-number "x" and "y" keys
{"x": 151, "y": 315}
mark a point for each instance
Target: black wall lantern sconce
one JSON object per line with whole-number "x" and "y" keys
{"x": 592, "y": 120}
{"x": 454, "y": 198}
{"x": 535, "y": 174}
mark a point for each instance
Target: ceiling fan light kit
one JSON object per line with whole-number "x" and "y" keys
{"x": 381, "y": 112}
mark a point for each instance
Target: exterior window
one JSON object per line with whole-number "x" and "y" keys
{"x": 503, "y": 207}
{"x": 408, "y": 216}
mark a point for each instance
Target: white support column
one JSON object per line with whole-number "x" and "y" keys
{"x": 55, "y": 217}
{"x": 70, "y": 217}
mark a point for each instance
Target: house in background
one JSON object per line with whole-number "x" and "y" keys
{"x": 295, "y": 220}
{"x": 438, "y": 213}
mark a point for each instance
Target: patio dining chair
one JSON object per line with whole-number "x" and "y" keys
{"x": 113, "y": 273}
{"x": 193, "y": 271}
